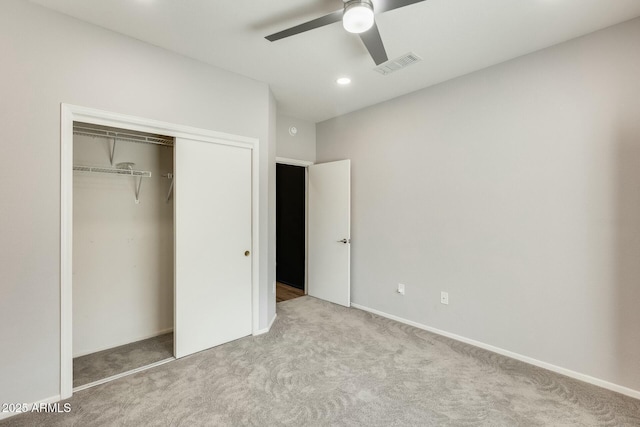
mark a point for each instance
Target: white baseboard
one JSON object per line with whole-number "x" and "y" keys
{"x": 268, "y": 328}
{"x": 569, "y": 373}
{"x": 140, "y": 338}
{"x": 52, "y": 399}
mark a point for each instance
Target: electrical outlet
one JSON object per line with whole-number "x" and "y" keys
{"x": 444, "y": 297}
{"x": 400, "y": 289}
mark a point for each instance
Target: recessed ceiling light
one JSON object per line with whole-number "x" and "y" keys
{"x": 343, "y": 81}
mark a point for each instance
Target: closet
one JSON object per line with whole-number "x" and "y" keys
{"x": 123, "y": 251}
{"x": 157, "y": 226}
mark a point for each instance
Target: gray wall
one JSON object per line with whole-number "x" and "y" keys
{"x": 302, "y": 146}
{"x": 517, "y": 190}
{"x": 122, "y": 251}
{"x": 49, "y": 58}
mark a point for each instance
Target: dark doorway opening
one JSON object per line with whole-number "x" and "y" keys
{"x": 290, "y": 225}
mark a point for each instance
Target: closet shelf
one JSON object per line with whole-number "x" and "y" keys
{"x": 113, "y": 171}
{"x": 128, "y": 171}
{"x": 97, "y": 131}
{"x": 132, "y": 136}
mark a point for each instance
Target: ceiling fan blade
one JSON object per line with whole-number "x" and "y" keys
{"x": 373, "y": 42}
{"x": 386, "y": 5}
{"x": 315, "y": 23}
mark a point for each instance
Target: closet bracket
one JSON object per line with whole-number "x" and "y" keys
{"x": 170, "y": 190}
{"x": 172, "y": 178}
{"x": 138, "y": 190}
{"x": 113, "y": 150}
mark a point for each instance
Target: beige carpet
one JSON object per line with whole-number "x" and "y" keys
{"x": 104, "y": 364}
{"x": 325, "y": 365}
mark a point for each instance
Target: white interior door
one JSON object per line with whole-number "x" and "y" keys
{"x": 212, "y": 199}
{"x": 330, "y": 232}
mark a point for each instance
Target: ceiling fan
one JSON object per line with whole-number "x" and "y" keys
{"x": 357, "y": 17}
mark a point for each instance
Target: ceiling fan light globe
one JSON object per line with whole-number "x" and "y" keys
{"x": 358, "y": 18}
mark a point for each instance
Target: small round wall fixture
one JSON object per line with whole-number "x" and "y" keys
{"x": 343, "y": 81}
{"x": 293, "y": 131}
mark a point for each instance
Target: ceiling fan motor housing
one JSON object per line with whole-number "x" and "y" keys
{"x": 358, "y": 15}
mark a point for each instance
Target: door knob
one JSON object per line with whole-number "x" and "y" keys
{"x": 345, "y": 241}
{"x": 247, "y": 253}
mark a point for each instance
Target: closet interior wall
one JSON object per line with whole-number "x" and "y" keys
{"x": 122, "y": 250}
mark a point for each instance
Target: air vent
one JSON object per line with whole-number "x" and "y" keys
{"x": 398, "y": 63}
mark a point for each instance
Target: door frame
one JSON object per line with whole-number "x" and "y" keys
{"x": 305, "y": 164}
{"x": 70, "y": 113}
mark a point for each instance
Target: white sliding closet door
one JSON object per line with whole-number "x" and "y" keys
{"x": 212, "y": 238}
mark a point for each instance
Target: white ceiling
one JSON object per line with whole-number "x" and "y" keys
{"x": 453, "y": 37}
